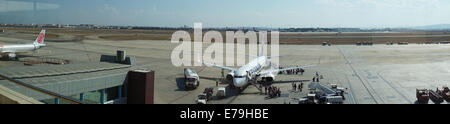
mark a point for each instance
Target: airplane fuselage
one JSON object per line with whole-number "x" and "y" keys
{"x": 17, "y": 48}
{"x": 240, "y": 78}
{"x": 10, "y": 50}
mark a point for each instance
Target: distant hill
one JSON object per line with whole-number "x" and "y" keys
{"x": 433, "y": 27}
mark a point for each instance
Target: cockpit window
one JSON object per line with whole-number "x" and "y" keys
{"x": 239, "y": 76}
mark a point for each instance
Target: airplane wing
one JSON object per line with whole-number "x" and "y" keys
{"x": 264, "y": 72}
{"x": 218, "y": 66}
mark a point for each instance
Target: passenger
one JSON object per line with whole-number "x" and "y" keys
{"x": 300, "y": 87}
{"x": 270, "y": 89}
{"x": 278, "y": 92}
{"x": 265, "y": 90}
{"x": 295, "y": 87}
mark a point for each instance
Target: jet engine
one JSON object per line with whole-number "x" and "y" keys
{"x": 230, "y": 76}
{"x": 11, "y": 56}
{"x": 268, "y": 78}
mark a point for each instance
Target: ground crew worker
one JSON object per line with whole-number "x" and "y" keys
{"x": 300, "y": 87}
{"x": 270, "y": 91}
{"x": 223, "y": 73}
{"x": 265, "y": 90}
{"x": 260, "y": 88}
{"x": 217, "y": 83}
{"x": 295, "y": 87}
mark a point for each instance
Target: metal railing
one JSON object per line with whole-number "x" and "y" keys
{"x": 44, "y": 91}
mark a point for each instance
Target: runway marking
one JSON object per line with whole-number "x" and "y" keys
{"x": 356, "y": 74}
{"x": 369, "y": 82}
{"x": 350, "y": 95}
{"x": 352, "y": 92}
{"x": 396, "y": 90}
{"x": 373, "y": 79}
{"x": 182, "y": 96}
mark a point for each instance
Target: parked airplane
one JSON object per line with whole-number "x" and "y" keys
{"x": 248, "y": 73}
{"x": 9, "y": 51}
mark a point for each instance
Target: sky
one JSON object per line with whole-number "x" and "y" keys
{"x": 230, "y": 13}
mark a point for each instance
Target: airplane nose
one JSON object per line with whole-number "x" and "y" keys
{"x": 238, "y": 82}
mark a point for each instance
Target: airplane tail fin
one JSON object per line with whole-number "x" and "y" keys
{"x": 40, "y": 38}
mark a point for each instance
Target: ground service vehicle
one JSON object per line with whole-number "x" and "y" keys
{"x": 221, "y": 92}
{"x": 422, "y": 96}
{"x": 191, "y": 79}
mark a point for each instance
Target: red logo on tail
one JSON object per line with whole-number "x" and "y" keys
{"x": 41, "y": 36}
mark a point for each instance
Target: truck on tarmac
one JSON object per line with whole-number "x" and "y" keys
{"x": 422, "y": 96}
{"x": 205, "y": 96}
{"x": 191, "y": 79}
{"x": 221, "y": 93}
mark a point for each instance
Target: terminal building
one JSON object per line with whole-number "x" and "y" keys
{"x": 112, "y": 80}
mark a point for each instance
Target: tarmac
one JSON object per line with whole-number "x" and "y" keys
{"x": 378, "y": 74}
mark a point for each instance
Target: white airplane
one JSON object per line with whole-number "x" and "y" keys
{"x": 9, "y": 51}
{"x": 248, "y": 73}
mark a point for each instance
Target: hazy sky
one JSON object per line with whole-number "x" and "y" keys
{"x": 231, "y": 13}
